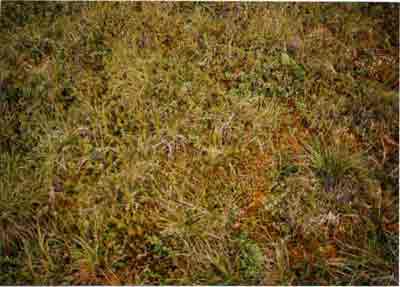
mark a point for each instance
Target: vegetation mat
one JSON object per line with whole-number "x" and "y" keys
{"x": 199, "y": 143}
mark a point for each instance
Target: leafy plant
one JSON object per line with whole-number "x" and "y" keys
{"x": 251, "y": 260}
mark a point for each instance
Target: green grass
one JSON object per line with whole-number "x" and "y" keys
{"x": 199, "y": 143}
{"x": 335, "y": 163}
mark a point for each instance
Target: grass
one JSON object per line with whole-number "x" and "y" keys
{"x": 334, "y": 164}
{"x": 199, "y": 143}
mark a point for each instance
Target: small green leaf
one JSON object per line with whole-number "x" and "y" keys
{"x": 286, "y": 60}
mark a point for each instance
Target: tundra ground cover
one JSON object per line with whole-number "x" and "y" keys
{"x": 199, "y": 143}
